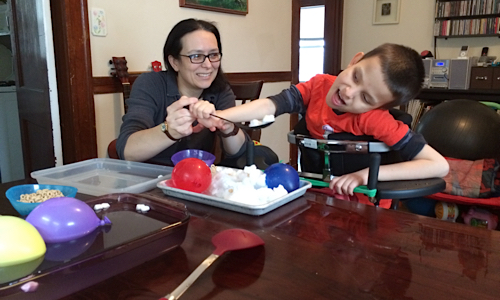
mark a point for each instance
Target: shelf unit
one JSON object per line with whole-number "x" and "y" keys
{"x": 467, "y": 18}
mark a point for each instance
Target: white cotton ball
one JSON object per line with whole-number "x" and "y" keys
{"x": 280, "y": 191}
{"x": 244, "y": 194}
{"x": 240, "y": 176}
{"x": 255, "y": 122}
{"x": 261, "y": 182}
{"x": 142, "y": 207}
{"x": 30, "y": 286}
{"x": 247, "y": 181}
{"x": 268, "y": 119}
{"x": 265, "y": 194}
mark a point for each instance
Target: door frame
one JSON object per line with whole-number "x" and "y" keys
{"x": 70, "y": 26}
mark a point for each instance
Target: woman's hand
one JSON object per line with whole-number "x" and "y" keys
{"x": 180, "y": 119}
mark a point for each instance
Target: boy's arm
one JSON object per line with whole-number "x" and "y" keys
{"x": 255, "y": 109}
{"x": 288, "y": 101}
{"x": 427, "y": 163}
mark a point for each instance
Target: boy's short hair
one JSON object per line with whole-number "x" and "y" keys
{"x": 403, "y": 71}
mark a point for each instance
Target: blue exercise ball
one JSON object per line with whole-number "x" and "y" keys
{"x": 463, "y": 129}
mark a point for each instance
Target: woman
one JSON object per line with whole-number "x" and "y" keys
{"x": 165, "y": 107}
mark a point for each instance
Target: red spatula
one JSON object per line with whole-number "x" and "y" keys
{"x": 227, "y": 240}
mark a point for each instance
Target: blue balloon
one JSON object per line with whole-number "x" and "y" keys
{"x": 280, "y": 173}
{"x": 64, "y": 219}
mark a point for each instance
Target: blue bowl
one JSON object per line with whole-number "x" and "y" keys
{"x": 205, "y": 156}
{"x": 15, "y": 192}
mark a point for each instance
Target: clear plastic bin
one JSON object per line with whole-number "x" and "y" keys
{"x": 102, "y": 176}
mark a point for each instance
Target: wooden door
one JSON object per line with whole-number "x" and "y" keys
{"x": 32, "y": 85}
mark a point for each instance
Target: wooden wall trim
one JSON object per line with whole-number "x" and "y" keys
{"x": 334, "y": 11}
{"x": 109, "y": 84}
{"x": 266, "y": 76}
{"x": 304, "y": 3}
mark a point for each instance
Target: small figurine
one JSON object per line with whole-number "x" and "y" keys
{"x": 480, "y": 218}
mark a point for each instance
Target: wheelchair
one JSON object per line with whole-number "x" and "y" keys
{"x": 342, "y": 153}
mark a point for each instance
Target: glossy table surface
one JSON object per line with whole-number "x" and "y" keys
{"x": 318, "y": 247}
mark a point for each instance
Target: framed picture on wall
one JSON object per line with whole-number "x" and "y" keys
{"x": 386, "y": 11}
{"x": 239, "y": 7}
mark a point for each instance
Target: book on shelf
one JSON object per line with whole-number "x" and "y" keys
{"x": 417, "y": 108}
{"x": 467, "y": 27}
{"x": 466, "y": 8}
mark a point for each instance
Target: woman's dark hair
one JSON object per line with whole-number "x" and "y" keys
{"x": 403, "y": 71}
{"x": 173, "y": 46}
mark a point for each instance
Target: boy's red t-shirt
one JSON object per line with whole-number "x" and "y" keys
{"x": 378, "y": 123}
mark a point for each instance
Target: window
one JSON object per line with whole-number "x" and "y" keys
{"x": 312, "y": 43}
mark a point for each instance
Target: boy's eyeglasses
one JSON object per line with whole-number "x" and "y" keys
{"x": 200, "y": 58}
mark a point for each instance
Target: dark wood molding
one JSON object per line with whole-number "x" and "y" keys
{"x": 445, "y": 94}
{"x": 278, "y": 76}
{"x": 294, "y": 118}
{"x": 74, "y": 79}
{"x": 334, "y": 10}
{"x": 304, "y": 3}
{"x": 109, "y": 84}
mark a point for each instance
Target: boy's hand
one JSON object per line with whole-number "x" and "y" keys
{"x": 345, "y": 184}
{"x": 202, "y": 110}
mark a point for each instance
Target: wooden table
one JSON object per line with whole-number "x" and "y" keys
{"x": 318, "y": 247}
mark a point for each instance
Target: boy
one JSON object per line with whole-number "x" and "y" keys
{"x": 356, "y": 101}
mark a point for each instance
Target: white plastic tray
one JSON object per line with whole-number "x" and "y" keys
{"x": 102, "y": 176}
{"x": 248, "y": 209}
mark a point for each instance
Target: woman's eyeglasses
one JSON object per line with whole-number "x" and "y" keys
{"x": 200, "y": 58}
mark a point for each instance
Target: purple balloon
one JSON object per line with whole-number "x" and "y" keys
{"x": 64, "y": 219}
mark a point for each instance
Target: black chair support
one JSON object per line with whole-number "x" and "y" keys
{"x": 360, "y": 152}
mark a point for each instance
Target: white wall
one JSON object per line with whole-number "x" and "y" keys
{"x": 415, "y": 29}
{"x": 257, "y": 42}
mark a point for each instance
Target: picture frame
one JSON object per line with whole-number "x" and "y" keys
{"x": 386, "y": 11}
{"x": 238, "y": 7}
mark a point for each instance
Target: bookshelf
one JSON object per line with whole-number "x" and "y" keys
{"x": 467, "y": 18}
{"x": 429, "y": 98}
